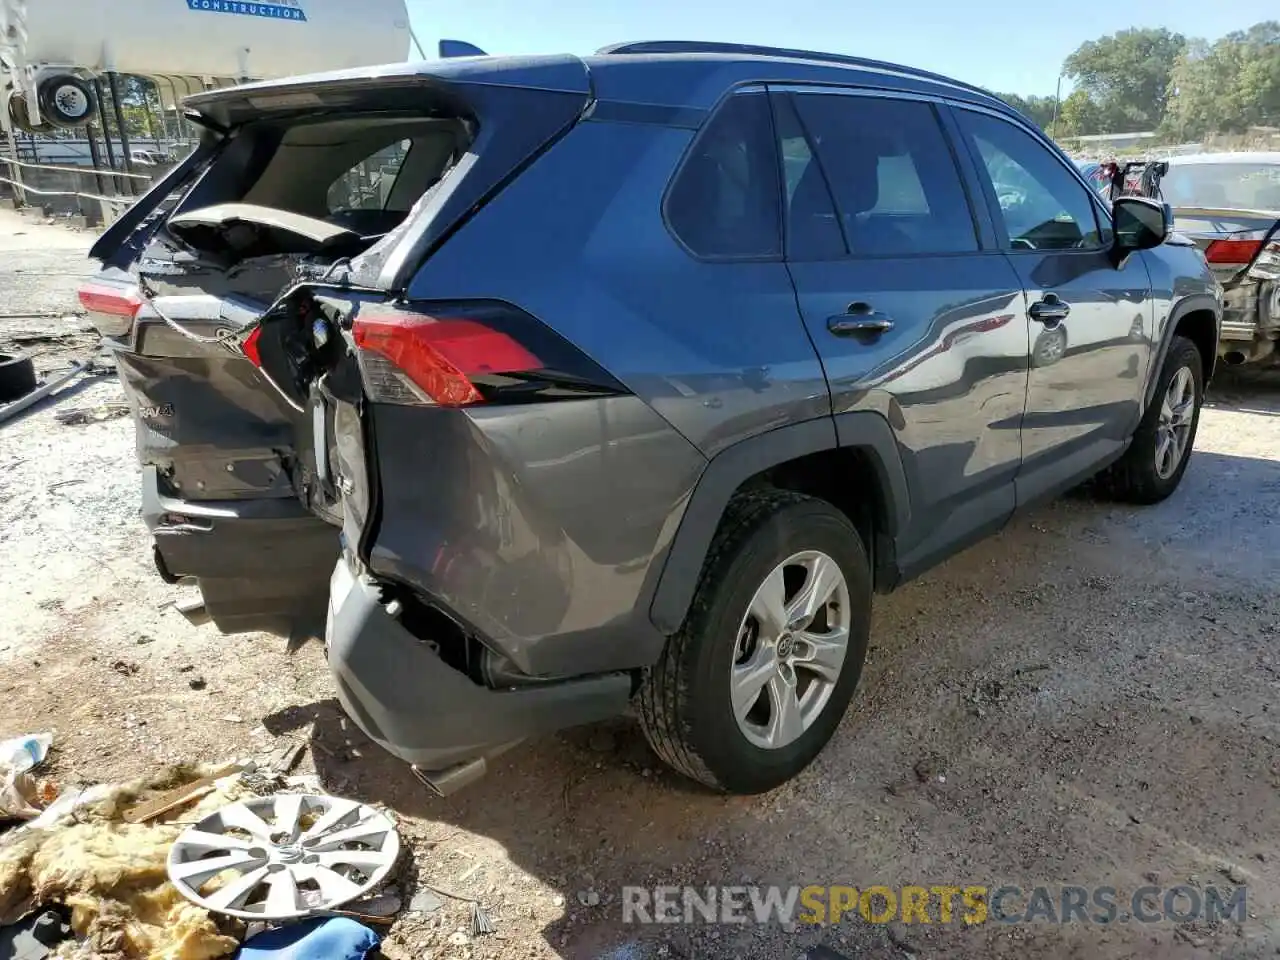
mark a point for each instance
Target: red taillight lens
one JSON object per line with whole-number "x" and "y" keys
{"x": 413, "y": 358}
{"x": 250, "y": 346}
{"x": 112, "y": 301}
{"x": 111, "y": 308}
{"x": 1232, "y": 251}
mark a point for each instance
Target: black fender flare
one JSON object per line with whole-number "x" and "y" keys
{"x": 726, "y": 472}
{"x": 1194, "y": 303}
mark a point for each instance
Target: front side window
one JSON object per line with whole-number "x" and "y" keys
{"x": 1041, "y": 205}
{"x": 725, "y": 199}
{"x": 892, "y": 173}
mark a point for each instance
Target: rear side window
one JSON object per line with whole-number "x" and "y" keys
{"x": 813, "y": 228}
{"x": 724, "y": 201}
{"x": 892, "y": 173}
{"x": 1041, "y": 205}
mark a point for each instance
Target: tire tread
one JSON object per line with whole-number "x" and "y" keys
{"x": 1132, "y": 478}
{"x": 665, "y": 686}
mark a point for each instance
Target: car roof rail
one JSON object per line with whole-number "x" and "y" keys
{"x": 749, "y": 49}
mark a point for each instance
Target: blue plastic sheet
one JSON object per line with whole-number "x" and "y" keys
{"x": 332, "y": 938}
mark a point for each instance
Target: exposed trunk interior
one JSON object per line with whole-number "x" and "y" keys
{"x": 253, "y": 455}
{"x": 234, "y": 492}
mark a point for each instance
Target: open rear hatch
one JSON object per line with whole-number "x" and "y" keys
{"x": 332, "y": 183}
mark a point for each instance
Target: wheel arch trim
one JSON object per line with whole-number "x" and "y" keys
{"x": 725, "y": 474}
{"x": 1196, "y": 303}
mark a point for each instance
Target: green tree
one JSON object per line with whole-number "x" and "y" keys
{"x": 1081, "y": 116}
{"x": 1039, "y": 110}
{"x": 1127, "y": 76}
{"x": 1227, "y": 87}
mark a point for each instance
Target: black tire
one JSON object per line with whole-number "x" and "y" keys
{"x": 21, "y": 119}
{"x": 66, "y": 101}
{"x": 684, "y": 699}
{"x": 17, "y": 376}
{"x": 1134, "y": 478}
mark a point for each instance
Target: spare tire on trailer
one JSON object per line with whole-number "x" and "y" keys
{"x": 66, "y": 100}
{"x": 17, "y": 376}
{"x": 22, "y": 120}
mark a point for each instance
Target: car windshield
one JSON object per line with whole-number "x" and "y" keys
{"x": 1232, "y": 186}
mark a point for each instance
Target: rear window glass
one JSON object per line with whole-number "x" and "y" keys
{"x": 724, "y": 202}
{"x": 1248, "y": 186}
{"x": 361, "y": 173}
{"x": 367, "y": 185}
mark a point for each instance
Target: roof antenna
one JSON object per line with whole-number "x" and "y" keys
{"x": 459, "y": 48}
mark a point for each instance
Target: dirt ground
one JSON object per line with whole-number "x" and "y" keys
{"x": 1089, "y": 698}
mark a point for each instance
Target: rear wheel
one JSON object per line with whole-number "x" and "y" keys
{"x": 754, "y": 684}
{"x": 1152, "y": 467}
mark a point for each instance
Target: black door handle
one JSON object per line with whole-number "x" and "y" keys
{"x": 860, "y": 320}
{"x": 1050, "y": 311}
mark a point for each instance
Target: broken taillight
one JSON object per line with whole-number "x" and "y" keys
{"x": 1232, "y": 252}
{"x": 111, "y": 308}
{"x": 1266, "y": 266}
{"x": 463, "y": 353}
{"x": 412, "y": 358}
{"x": 249, "y": 346}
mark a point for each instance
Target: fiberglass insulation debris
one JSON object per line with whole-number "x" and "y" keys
{"x": 112, "y": 876}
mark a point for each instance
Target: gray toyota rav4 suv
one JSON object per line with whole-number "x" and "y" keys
{"x": 545, "y": 387}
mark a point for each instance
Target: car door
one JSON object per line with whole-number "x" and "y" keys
{"x": 1090, "y": 321}
{"x": 915, "y": 314}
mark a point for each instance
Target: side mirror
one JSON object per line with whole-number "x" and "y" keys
{"x": 1140, "y": 224}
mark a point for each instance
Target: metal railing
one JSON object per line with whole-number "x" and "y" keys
{"x": 95, "y": 194}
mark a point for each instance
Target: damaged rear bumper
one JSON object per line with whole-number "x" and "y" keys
{"x": 260, "y": 564}
{"x": 420, "y": 709}
{"x": 1250, "y": 321}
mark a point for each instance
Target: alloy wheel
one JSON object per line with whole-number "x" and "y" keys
{"x": 1173, "y": 429}
{"x": 791, "y": 648}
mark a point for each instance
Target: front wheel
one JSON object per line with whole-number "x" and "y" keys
{"x": 754, "y": 684}
{"x": 1156, "y": 460}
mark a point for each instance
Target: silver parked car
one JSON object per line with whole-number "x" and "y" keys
{"x": 1229, "y": 203}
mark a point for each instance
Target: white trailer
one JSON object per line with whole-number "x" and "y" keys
{"x": 55, "y": 48}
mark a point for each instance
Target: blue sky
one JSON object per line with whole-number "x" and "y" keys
{"x": 1005, "y": 45}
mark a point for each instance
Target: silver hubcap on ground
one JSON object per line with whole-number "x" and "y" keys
{"x": 791, "y": 647}
{"x": 1173, "y": 431}
{"x": 283, "y": 856}
{"x": 71, "y": 101}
